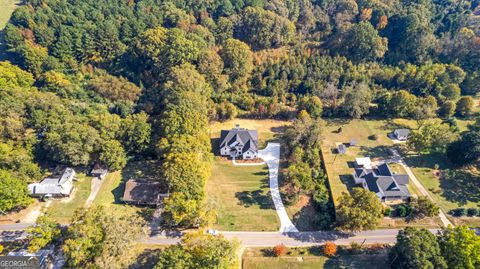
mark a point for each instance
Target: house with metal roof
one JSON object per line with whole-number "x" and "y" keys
{"x": 239, "y": 143}
{"x": 55, "y": 186}
{"x": 390, "y": 188}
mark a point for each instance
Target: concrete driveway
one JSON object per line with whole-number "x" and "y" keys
{"x": 397, "y": 158}
{"x": 271, "y": 156}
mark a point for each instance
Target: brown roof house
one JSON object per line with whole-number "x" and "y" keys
{"x": 143, "y": 192}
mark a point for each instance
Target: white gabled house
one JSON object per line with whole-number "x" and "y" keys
{"x": 61, "y": 186}
{"x": 239, "y": 143}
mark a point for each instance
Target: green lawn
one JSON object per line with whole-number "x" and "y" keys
{"x": 423, "y": 167}
{"x": 268, "y": 130}
{"x": 62, "y": 209}
{"x": 242, "y": 198}
{"x": 6, "y": 9}
{"x": 256, "y": 259}
{"x": 340, "y": 167}
{"x": 110, "y": 194}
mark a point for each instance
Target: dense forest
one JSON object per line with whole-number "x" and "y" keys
{"x": 111, "y": 81}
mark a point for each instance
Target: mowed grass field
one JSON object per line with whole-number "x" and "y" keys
{"x": 256, "y": 259}
{"x": 62, "y": 209}
{"x": 110, "y": 193}
{"x": 241, "y": 195}
{"x": 340, "y": 166}
{"x": 6, "y": 9}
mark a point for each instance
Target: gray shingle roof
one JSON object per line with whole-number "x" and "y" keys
{"x": 382, "y": 180}
{"x": 402, "y": 132}
{"x": 247, "y": 138}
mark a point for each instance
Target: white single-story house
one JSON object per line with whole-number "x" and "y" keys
{"x": 60, "y": 186}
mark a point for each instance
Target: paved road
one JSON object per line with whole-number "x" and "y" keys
{"x": 299, "y": 239}
{"x": 271, "y": 156}
{"x": 398, "y": 159}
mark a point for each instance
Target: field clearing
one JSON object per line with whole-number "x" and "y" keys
{"x": 340, "y": 166}
{"x": 6, "y": 9}
{"x": 302, "y": 258}
{"x": 268, "y": 130}
{"x": 110, "y": 193}
{"x": 62, "y": 209}
{"x": 241, "y": 195}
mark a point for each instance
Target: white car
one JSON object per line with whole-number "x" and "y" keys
{"x": 212, "y": 232}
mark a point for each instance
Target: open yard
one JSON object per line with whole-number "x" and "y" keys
{"x": 113, "y": 187}
{"x": 448, "y": 195}
{"x": 241, "y": 195}
{"x": 6, "y": 9}
{"x": 110, "y": 194}
{"x": 62, "y": 209}
{"x": 303, "y": 258}
{"x": 268, "y": 130}
{"x": 340, "y": 166}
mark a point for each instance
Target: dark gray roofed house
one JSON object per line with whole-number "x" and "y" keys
{"x": 401, "y": 134}
{"x": 389, "y": 187}
{"x": 239, "y": 142}
{"x": 142, "y": 192}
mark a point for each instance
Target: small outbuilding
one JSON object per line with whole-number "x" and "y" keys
{"x": 143, "y": 192}
{"x": 353, "y": 142}
{"x": 342, "y": 149}
{"x": 401, "y": 134}
{"x": 99, "y": 171}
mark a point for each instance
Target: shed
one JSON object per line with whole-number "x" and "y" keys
{"x": 342, "y": 149}
{"x": 99, "y": 171}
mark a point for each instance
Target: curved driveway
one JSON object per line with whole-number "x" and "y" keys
{"x": 271, "y": 156}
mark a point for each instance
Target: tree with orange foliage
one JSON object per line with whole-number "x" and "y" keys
{"x": 330, "y": 249}
{"x": 382, "y": 23}
{"x": 279, "y": 250}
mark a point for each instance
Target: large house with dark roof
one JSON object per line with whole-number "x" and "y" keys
{"x": 390, "y": 188}
{"x": 239, "y": 143}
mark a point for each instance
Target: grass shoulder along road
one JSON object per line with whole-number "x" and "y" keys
{"x": 310, "y": 258}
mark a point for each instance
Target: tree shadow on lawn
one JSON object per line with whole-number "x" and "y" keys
{"x": 376, "y": 152}
{"x": 348, "y": 181}
{"x": 460, "y": 187}
{"x": 147, "y": 259}
{"x": 306, "y": 219}
{"x": 428, "y": 160}
{"x": 257, "y": 197}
